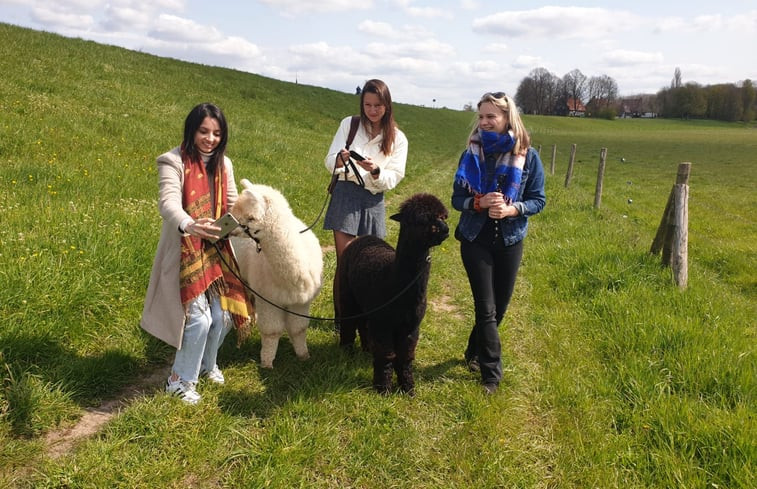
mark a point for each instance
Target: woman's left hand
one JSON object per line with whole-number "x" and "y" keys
{"x": 368, "y": 165}
{"x": 502, "y": 210}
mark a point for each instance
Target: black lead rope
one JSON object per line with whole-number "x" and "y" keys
{"x": 360, "y": 180}
{"x": 365, "y": 314}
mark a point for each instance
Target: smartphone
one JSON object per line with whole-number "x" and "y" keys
{"x": 357, "y": 156}
{"x": 227, "y": 223}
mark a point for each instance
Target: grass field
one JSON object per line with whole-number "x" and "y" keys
{"x": 614, "y": 376}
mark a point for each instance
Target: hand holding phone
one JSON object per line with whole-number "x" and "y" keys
{"x": 357, "y": 156}
{"x": 227, "y": 223}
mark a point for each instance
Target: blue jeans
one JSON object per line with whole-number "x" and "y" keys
{"x": 205, "y": 328}
{"x": 492, "y": 268}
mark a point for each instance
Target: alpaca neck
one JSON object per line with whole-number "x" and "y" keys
{"x": 410, "y": 256}
{"x": 279, "y": 244}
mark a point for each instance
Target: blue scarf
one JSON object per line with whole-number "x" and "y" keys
{"x": 508, "y": 169}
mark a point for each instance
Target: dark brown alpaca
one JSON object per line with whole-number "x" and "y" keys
{"x": 372, "y": 274}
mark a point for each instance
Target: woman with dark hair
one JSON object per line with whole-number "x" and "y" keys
{"x": 192, "y": 298}
{"x": 357, "y": 201}
{"x": 499, "y": 183}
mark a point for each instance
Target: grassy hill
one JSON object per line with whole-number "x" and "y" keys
{"x": 614, "y": 376}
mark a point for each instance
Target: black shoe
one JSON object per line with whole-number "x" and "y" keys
{"x": 490, "y": 389}
{"x": 472, "y": 364}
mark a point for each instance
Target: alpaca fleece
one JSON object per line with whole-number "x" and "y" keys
{"x": 281, "y": 264}
{"x": 372, "y": 274}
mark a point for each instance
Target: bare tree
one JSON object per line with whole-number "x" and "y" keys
{"x": 574, "y": 83}
{"x": 676, "y": 82}
{"x": 536, "y": 92}
{"x": 602, "y": 90}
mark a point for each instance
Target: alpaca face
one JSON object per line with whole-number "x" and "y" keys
{"x": 439, "y": 231}
{"x": 423, "y": 216}
{"x": 250, "y": 211}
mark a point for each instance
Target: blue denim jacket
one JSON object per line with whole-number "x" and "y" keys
{"x": 531, "y": 200}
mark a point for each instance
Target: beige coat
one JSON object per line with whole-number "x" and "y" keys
{"x": 163, "y": 314}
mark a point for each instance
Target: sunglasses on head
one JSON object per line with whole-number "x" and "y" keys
{"x": 495, "y": 94}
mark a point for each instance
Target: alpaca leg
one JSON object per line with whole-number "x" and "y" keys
{"x": 365, "y": 337}
{"x": 382, "y": 374}
{"x": 383, "y": 362}
{"x": 297, "y": 329}
{"x": 336, "y": 299}
{"x": 403, "y": 363}
{"x": 271, "y": 327}
{"x": 269, "y": 343}
{"x": 347, "y": 334}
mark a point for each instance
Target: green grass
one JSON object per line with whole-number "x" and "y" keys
{"x": 614, "y": 376}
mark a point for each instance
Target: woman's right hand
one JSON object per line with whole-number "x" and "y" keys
{"x": 203, "y": 228}
{"x": 492, "y": 199}
{"x": 342, "y": 157}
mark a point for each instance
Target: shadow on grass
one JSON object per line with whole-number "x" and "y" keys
{"x": 330, "y": 371}
{"x": 40, "y": 369}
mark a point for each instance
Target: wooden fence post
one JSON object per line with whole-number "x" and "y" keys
{"x": 569, "y": 174}
{"x": 680, "y": 238}
{"x": 554, "y": 154}
{"x": 673, "y": 233}
{"x": 539, "y": 151}
{"x": 600, "y": 177}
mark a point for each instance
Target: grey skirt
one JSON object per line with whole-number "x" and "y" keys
{"x": 356, "y": 211}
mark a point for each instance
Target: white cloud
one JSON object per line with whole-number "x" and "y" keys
{"x": 469, "y": 4}
{"x": 126, "y": 19}
{"x": 620, "y": 57}
{"x": 429, "y": 12}
{"x": 744, "y": 24}
{"x": 235, "y": 47}
{"x": 427, "y": 49}
{"x": 388, "y": 31}
{"x": 177, "y": 29}
{"x": 56, "y": 18}
{"x": 496, "y": 48}
{"x": 297, "y": 7}
{"x": 527, "y": 62}
{"x": 555, "y": 23}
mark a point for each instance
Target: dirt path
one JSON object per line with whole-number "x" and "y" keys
{"x": 60, "y": 442}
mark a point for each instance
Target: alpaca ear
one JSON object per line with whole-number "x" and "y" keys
{"x": 246, "y": 183}
{"x": 396, "y": 217}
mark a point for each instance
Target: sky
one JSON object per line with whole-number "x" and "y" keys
{"x": 435, "y": 53}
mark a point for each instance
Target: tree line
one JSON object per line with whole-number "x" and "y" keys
{"x": 544, "y": 93}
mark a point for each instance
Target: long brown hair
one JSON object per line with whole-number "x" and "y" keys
{"x": 388, "y": 125}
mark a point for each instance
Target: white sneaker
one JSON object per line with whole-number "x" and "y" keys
{"x": 214, "y": 375}
{"x": 184, "y": 390}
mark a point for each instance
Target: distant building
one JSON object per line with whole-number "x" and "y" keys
{"x": 630, "y": 107}
{"x": 638, "y": 106}
{"x": 576, "y": 108}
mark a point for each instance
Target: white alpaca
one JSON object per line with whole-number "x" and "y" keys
{"x": 281, "y": 264}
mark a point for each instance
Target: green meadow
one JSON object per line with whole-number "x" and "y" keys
{"x": 615, "y": 377}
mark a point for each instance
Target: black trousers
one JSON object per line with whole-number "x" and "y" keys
{"x": 492, "y": 268}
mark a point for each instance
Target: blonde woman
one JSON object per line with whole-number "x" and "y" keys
{"x": 499, "y": 183}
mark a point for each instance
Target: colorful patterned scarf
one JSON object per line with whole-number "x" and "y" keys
{"x": 202, "y": 270}
{"x": 508, "y": 168}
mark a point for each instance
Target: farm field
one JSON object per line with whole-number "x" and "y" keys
{"x": 614, "y": 377}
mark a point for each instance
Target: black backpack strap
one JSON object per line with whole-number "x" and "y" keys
{"x": 354, "y": 124}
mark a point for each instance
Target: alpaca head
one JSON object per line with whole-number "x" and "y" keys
{"x": 257, "y": 208}
{"x": 422, "y": 217}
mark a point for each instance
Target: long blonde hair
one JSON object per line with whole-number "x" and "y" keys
{"x": 507, "y": 105}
